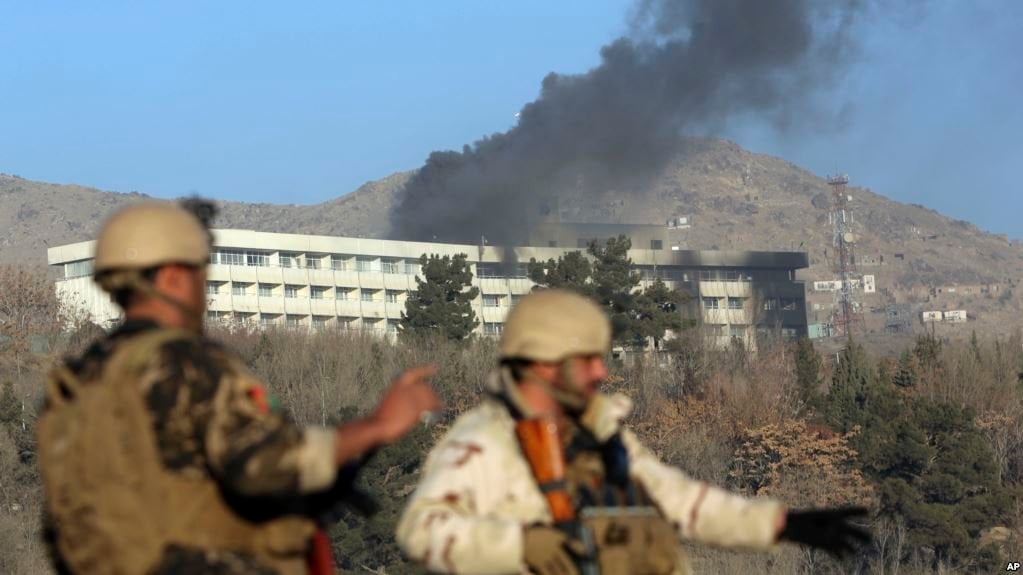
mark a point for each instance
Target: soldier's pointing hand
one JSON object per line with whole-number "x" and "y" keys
{"x": 405, "y": 402}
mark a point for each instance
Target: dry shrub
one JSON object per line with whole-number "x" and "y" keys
{"x": 982, "y": 375}
{"x": 21, "y": 547}
{"x": 1004, "y": 432}
{"x": 803, "y": 466}
{"x": 317, "y": 375}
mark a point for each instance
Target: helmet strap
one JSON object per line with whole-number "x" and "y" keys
{"x": 193, "y": 321}
{"x": 507, "y": 390}
{"x": 133, "y": 280}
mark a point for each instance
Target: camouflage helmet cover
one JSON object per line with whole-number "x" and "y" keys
{"x": 149, "y": 234}
{"x": 552, "y": 325}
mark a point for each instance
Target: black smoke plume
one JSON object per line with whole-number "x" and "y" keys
{"x": 687, "y": 66}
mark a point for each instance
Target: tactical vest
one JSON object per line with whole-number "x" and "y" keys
{"x": 593, "y": 497}
{"x": 114, "y": 507}
{"x": 618, "y": 524}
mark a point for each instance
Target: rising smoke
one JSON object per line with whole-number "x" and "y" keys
{"x": 687, "y": 66}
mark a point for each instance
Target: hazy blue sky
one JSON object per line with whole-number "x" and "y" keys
{"x": 279, "y": 102}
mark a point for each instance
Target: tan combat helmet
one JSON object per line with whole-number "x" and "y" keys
{"x": 150, "y": 234}
{"x": 144, "y": 236}
{"x": 553, "y": 325}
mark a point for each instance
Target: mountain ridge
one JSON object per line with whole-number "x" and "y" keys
{"x": 733, "y": 199}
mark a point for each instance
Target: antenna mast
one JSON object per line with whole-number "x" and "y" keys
{"x": 846, "y": 317}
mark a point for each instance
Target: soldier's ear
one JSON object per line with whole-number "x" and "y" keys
{"x": 176, "y": 280}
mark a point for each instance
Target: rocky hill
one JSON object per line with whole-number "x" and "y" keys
{"x": 736, "y": 199}
{"x": 35, "y": 215}
{"x": 733, "y": 198}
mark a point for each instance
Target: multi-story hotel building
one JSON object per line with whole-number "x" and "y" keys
{"x": 322, "y": 282}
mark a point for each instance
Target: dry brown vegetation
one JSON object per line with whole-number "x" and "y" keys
{"x": 733, "y": 417}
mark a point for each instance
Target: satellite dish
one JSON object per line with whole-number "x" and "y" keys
{"x": 849, "y": 238}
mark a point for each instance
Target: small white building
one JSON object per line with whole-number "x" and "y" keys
{"x": 955, "y": 316}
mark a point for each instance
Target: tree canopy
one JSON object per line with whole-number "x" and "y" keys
{"x": 607, "y": 276}
{"x": 443, "y": 298}
{"x": 932, "y": 464}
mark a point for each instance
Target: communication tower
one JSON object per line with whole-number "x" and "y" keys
{"x": 847, "y": 315}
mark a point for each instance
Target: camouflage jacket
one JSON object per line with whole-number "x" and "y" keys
{"x": 212, "y": 421}
{"x": 477, "y": 493}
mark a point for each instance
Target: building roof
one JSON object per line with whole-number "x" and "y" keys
{"x": 249, "y": 239}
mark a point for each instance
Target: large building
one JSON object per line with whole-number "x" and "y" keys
{"x": 322, "y": 282}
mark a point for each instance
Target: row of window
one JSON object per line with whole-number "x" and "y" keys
{"x": 339, "y": 293}
{"x": 784, "y": 304}
{"x": 769, "y": 304}
{"x": 292, "y": 320}
{"x": 518, "y": 271}
{"x": 336, "y": 262}
{"x": 742, "y": 331}
{"x": 584, "y": 243}
{"x": 724, "y": 276}
{"x": 724, "y": 303}
{"x": 490, "y": 300}
{"x": 676, "y": 274}
{"x": 78, "y": 269}
{"x": 349, "y": 263}
{"x": 322, "y": 321}
{"x": 297, "y": 291}
{"x": 727, "y": 330}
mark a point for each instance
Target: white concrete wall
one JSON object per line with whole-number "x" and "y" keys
{"x": 376, "y": 314}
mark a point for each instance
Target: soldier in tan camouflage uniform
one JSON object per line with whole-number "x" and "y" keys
{"x": 158, "y": 448}
{"x": 495, "y": 498}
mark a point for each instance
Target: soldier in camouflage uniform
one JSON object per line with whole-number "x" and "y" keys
{"x": 214, "y": 480}
{"x": 592, "y": 499}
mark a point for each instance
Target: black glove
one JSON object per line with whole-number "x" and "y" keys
{"x": 828, "y": 529}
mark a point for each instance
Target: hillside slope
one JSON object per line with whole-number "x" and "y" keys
{"x": 734, "y": 199}
{"x": 35, "y": 215}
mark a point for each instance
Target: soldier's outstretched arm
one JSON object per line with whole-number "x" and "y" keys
{"x": 255, "y": 452}
{"x": 441, "y": 527}
{"x": 401, "y": 407}
{"x": 702, "y": 512}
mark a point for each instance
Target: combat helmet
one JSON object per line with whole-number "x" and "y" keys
{"x": 552, "y": 325}
{"x": 144, "y": 236}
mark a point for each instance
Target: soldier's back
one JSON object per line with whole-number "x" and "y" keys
{"x": 150, "y": 396}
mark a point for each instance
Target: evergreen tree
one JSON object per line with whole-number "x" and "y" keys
{"x": 907, "y": 375}
{"x": 975, "y": 347}
{"x": 851, "y": 381}
{"x": 808, "y": 371}
{"x": 570, "y": 271}
{"x": 958, "y": 484}
{"x": 928, "y": 351}
{"x": 933, "y": 467}
{"x": 613, "y": 284}
{"x": 656, "y": 311}
{"x": 637, "y": 316}
{"x": 442, "y": 302}
{"x": 613, "y": 276}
